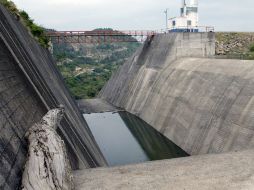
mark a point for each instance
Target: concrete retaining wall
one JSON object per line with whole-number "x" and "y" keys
{"x": 30, "y": 84}
{"x": 203, "y": 105}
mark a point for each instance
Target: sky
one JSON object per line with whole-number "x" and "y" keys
{"x": 224, "y": 15}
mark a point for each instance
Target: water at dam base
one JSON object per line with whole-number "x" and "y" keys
{"x": 126, "y": 139}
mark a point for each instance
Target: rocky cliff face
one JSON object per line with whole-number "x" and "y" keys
{"x": 203, "y": 105}
{"x": 30, "y": 84}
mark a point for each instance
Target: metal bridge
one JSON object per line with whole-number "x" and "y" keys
{"x": 99, "y": 36}
{"x": 112, "y": 36}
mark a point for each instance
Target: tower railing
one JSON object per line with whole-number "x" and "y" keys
{"x": 192, "y": 29}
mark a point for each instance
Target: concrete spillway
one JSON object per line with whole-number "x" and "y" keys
{"x": 203, "y": 105}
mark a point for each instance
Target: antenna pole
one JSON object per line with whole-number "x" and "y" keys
{"x": 166, "y": 13}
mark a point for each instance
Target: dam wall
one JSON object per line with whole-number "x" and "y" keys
{"x": 30, "y": 85}
{"x": 204, "y": 105}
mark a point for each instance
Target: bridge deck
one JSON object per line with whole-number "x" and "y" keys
{"x": 99, "y": 36}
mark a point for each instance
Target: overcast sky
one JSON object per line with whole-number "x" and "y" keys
{"x": 225, "y": 15}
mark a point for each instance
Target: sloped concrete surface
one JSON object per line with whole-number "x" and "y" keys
{"x": 203, "y": 105}
{"x": 37, "y": 71}
{"x": 228, "y": 171}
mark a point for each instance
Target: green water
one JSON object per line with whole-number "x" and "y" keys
{"x": 125, "y": 139}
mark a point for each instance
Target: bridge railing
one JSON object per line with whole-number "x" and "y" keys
{"x": 100, "y": 36}
{"x": 112, "y": 36}
{"x": 102, "y": 33}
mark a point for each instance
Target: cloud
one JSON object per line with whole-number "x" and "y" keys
{"x": 226, "y": 15}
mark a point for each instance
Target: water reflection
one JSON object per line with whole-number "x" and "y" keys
{"x": 156, "y": 145}
{"x": 124, "y": 139}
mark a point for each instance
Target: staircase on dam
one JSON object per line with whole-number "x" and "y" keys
{"x": 204, "y": 105}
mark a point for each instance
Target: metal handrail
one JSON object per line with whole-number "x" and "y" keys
{"x": 200, "y": 28}
{"x": 102, "y": 33}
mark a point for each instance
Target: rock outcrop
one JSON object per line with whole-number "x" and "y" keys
{"x": 233, "y": 42}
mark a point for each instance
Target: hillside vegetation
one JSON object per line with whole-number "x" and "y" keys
{"x": 87, "y": 67}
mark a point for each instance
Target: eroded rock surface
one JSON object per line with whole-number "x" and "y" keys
{"x": 47, "y": 166}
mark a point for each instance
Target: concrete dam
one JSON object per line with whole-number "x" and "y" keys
{"x": 203, "y": 104}
{"x": 173, "y": 82}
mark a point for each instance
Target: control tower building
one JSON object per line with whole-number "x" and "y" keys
{"x": 188, "y": 19}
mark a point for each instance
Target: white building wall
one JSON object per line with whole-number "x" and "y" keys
{"x": 194, "y": 3}
{"x": 194, "y": 19}
{"x": 190, "y": 14}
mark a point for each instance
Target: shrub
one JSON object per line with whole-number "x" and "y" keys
{"x": 10, "y": 6}
{"x": 36, "y": 31}
{"x": 252, "y": 48}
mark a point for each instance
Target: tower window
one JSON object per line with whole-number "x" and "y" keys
{"x": 182, "y": 11}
